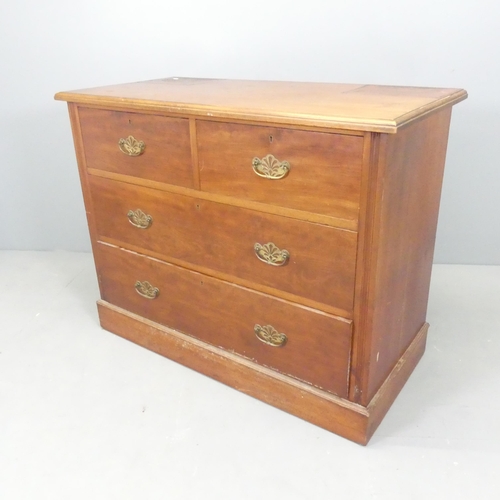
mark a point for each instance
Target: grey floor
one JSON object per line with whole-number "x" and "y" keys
{"x": 87, "y": 415}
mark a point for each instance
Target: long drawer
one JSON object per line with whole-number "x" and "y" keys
{"x": 311, "y": 171}
{"x": 304, "y": 259}
{"x": 298, "y": 341}
{"x": 141, "y": 145}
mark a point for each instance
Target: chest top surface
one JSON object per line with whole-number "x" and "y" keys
{"x": 375, "y": 108}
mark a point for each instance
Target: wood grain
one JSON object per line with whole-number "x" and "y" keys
{"x": 350, "y": 225}
{"x": 222, "y": 237}
{"x": 395, "y": 381}
{"x": 357, "y": 212}
{"x": 166, "y": 158}
{"x": 325, "y": 169}
{"x": 401, "y": 217}
{"x": 224, "y": 315}
{"x": 374, "y": 108}
{"x": 84, "y": 182}
{"x": 321, "y": 408}
{"x": 194, "y": 153}
{"x": 366, "y": 259}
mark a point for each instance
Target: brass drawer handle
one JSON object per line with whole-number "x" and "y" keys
{"x": 139, "y": 219}
{"x": 146, "y": 289}
{"x": 271, "y": 254}
{"x": 131, "y": 146}
{"x": 270, "y": 335}
{"x": 270, "y": 167}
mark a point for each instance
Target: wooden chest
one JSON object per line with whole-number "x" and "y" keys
{"x": 275, "y": 236}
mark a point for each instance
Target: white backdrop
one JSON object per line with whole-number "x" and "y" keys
{"x": 59, "y": 45}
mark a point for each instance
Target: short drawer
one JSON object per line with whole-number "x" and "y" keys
{"x": 322, "y": 173}
{"x": 148, "y": 146}
{"x": 304, "y": 259}
{"x": 306, "y": 344}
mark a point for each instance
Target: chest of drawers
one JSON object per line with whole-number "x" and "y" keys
{"x": 277, "y": 237}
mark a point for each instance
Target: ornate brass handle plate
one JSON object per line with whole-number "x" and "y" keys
{"x": 271, "y": 254}
{"x": 270, "y": 167}
{"x": 270, "y": 335}
{"x": 139, "y": 219}
{"x": 131, "y": 146}
{"x": 146, "y": 289}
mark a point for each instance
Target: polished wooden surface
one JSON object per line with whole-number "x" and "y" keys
{"x": 357, "y": 212}
{"x": 222, "y": 237}
{"x": 325, "y": 169}
{"x": 375, "y": 108}
{"x": 224, "y": 315}
{"x": 166, "y": 157}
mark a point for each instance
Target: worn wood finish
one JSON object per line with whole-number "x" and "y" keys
{"x": 375, "y": 108}
{"x": 350, "y": 420}
{"x": 357, "y": 212}
{"x": 325, "y": 169}
{"x": 224, "y": 315}
{"x": 167, "y": 155}
{"x": 382, "y": 400}
{"x": 222, "y": 237}
{"x": 398, "y": 258}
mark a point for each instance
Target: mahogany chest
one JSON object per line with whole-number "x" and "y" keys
{"x": 275, "y": 236}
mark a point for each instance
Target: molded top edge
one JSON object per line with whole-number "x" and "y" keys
{"x": 374, "y": 108}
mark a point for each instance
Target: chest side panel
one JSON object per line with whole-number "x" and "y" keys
{"x": 400, "y": 230}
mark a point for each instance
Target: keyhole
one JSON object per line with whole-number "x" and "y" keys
{"x": 130, "y": 122}
{"x": 270, "y": 138}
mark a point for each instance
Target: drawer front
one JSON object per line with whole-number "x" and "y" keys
{"x": 320, "y": 264}
{"x": 148, "y": 146}
{"x": 316, "y": 348}
{"x": 323, "y": 174}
